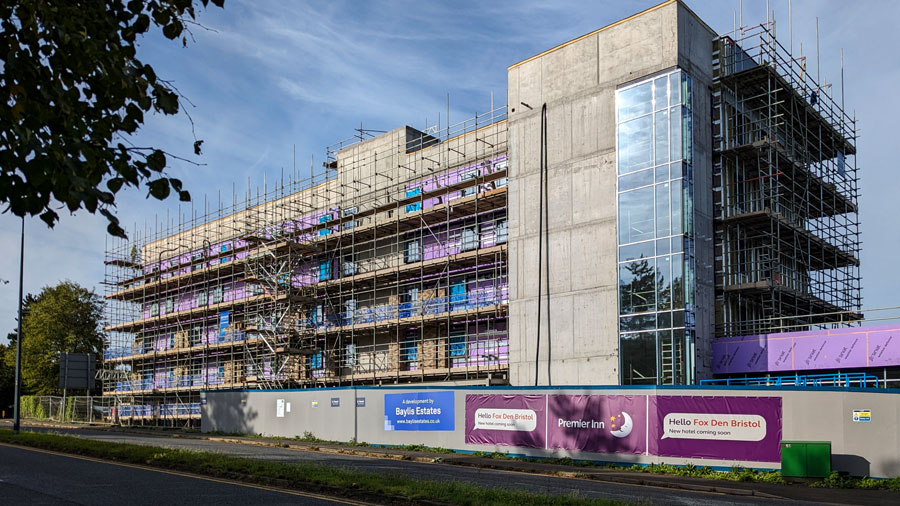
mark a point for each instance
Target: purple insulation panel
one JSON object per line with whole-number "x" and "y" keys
{"x": 235, "y": 292}
{"x": 211, "y": 336}
{"x": 847, "y": 348}
{"x": 161, "y": 343}
{"x": 435, "y": 246}
{"x": 453, "y": 177}
{"x": 484, "y": 344}
{"x": 488, "y": 234}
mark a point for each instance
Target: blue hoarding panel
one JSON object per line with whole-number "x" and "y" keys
{"x": 419, "y": 411}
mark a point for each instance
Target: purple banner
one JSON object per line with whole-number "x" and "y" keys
{"x": 855, "y": 347}
{"x": 597, "y": 423}
{"x": 508, "y": 420}
{"x": 724, "y": 428}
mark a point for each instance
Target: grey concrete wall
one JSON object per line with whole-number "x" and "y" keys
{"x": 695, "y": 40}
{"x": 862, "y": 449}
{"x": 577, "y": 81}
{"x": 254, "y": 412}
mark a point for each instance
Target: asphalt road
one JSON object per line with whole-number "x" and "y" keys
{"x": 36, "y": 477}
{"x": 486, "y": 477}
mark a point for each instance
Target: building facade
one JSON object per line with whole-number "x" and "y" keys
{"x": 649, "y": 187}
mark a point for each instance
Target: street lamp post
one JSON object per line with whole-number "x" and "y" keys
{"x": 16, "y": 404}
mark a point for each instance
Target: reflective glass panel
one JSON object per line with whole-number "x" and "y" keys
{"x": 666, "y": 357}
{"x": 638, "y": 353}
{"x": 662, "y": 173}
{"x": 676, "y": 207}
{"x": 646, "y": 321}
{"x": 635, "y": 147}
{"x": 636, "y": 180}
{"x": 679, "y": 350}
{"x": 660, "y": 100}
{"x": 677, "y": 282}
{"x": 633, "y": 251}
{"x": 675, "y": 86}
{"x": 661, "y": 136}
{"x": 664, "y": 283}
{"x": 675, "y": 130}
{"x": 636, "y": 215}
{"x": 662, "y": 210}
{"x": 634, "y": 101}
{"x": 664, "y": 320}
{"x": 637, "y": 286}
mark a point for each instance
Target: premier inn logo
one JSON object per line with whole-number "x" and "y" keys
{"x": 621, "y": 425}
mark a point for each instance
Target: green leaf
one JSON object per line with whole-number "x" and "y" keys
{"x": 75, "y": 84}
{"x": 136, "y": 6}
{"x": 149, "y": 73}
{"x": 156, "y": 161}
{"x": 159, "y": 188}
{"x": 116, "y": 231}
{"x": 184, "y": 196}
{"x": 109, "y": 216}
{"x": 173, "y": 30}
{"x": 115, "y": 184}
{"x": 166, "y": 100}
{"x": 162, "y": 16}
{"x": 142, "y": 23}
{"x": 106, "y": 197}
{"x": 49, "y": 217}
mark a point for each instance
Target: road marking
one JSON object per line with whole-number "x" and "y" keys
{"x": 194, "y": 476}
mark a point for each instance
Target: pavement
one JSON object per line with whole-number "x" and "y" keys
{"x": 541, "y": 477}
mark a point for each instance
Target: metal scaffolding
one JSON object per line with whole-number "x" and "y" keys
{"x": 387, "y": 267}
{"x": 785, "y": 178}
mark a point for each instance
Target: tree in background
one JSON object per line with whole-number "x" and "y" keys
{"x": 8, "y": 361}
{"x": 62, "y": 318}
{"x": 73, "y": 93}
{"x": 7, "y": 380}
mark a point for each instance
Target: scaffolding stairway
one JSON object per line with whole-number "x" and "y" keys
{"x": 281, "y": 302}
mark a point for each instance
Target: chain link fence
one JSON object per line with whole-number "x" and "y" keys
{"x": 124, "y": 410}
{"x": 74, "y": 409}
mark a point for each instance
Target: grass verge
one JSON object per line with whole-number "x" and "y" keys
{"x": 391, "y": 489}
{"x": 690, "y": 470}
{"x": 835, "y": 480}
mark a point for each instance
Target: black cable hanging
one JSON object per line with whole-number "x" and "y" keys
{"x": 546, "y": 171}
{"x": 537, "y": 348}
{"x": 543, "y": 241}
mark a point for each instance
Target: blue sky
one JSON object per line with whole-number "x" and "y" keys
{"x": 266, "y": 76}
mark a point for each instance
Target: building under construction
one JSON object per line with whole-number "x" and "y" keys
{"x": 787, "y": 235}
{"x": 390, "y": 266}
{"x": 600, "y": 229}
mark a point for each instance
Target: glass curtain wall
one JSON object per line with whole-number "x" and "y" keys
{"x": 655, "y": 230}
